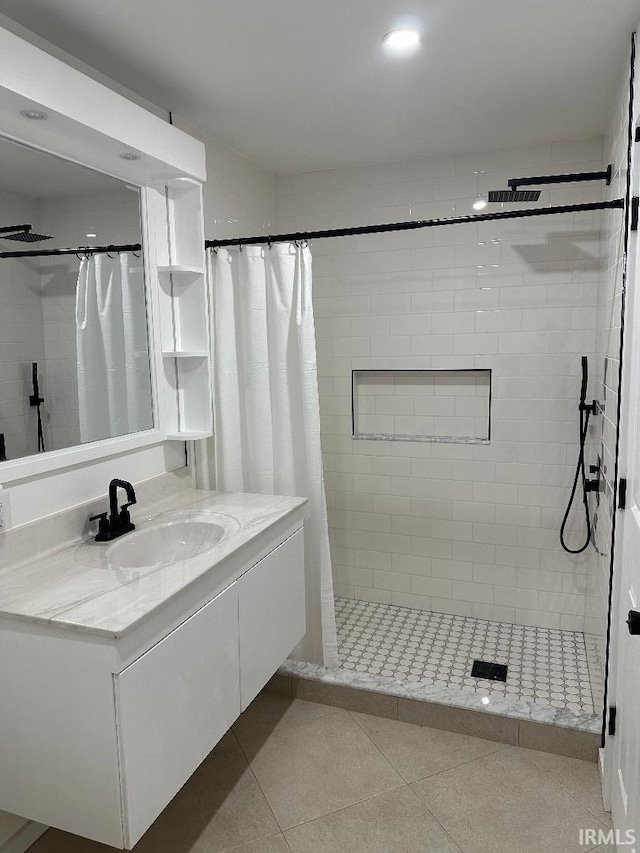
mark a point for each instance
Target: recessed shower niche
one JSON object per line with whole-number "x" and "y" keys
{"x": 422, "y": 405}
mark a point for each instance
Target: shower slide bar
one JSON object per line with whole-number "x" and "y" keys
{"x": 302, "y": 236}
{"x": 80, "y": 251}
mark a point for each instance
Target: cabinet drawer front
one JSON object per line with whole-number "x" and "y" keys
{"x": 173, "y": 705}
{"x": 272, "y": 614}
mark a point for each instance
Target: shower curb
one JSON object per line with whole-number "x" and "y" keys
{"x": 391, "y": 699}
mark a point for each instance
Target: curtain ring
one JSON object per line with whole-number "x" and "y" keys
{"x": 136, "y": 256}
{"x": 269, "y": 241}
{"x": 80, "y": 257}
{"x": 239, "y": 247}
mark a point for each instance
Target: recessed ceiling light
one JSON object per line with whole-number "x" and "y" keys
{"x": 92, "y": 235}
{"x": 129, "y": 155}
{"x": 404, "y": 39}
{"x": 480, "y": 204}
{"x": 34, "y": 115}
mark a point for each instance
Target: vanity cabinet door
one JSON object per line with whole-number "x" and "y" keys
{"x": 173, "y": 705}
{"x": 272, "y": 614}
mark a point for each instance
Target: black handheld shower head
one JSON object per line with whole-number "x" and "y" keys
{"x": 585, "y": 379}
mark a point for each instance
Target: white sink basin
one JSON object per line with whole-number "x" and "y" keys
{"x": 178, "y": 537}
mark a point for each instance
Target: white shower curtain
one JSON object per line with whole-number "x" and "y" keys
{"x": 114, "y": 385}
{"x": 267, "y": 417}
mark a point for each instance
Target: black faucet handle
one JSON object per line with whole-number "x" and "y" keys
{"x": 103, "y": 522}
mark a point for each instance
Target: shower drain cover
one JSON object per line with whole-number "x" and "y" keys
{"x": 486, "y": 669}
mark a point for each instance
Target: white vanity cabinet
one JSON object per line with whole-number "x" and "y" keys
{"x": 271, "y": 615}
{"x": 98, "y": 734}
{"x": 174, "y": 704}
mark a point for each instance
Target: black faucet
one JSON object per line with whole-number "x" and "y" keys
{"x": 118, "y": 521}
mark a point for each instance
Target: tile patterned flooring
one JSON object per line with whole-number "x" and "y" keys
{"x": 300, "y": 777}
{"x": 545, "y": 666}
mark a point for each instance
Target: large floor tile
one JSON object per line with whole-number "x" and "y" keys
{"x": 273, "y": 844}
{"x": 580, "y": 778}
{"x": 269, "y": 712}
{"x": 391, "y": 823}
{"x": 55, "y": 841}
{"x": 416, "y": 751}
{"x": 221, "y": 808}
{"x": 503, "y": 803}
{"x": 311, "y": 769}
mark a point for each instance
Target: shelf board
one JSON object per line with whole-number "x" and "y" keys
{"x": 181, "y": 269}
{"x": 187, "y": 435}
{"x": 185, "y": 354}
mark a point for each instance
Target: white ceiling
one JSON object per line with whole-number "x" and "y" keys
{"x": 38, "y": 175}
{"x": 299, "y": 85}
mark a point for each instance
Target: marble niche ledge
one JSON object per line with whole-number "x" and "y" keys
{"x": 512, "y": 721}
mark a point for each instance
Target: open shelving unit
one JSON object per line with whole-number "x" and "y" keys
{"x": 184, "y": 311}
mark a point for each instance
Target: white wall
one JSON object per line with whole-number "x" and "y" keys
{"x": 239, "y": 196}
{"x": 468, "y": 529}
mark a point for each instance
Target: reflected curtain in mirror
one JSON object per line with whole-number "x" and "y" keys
{"x": 114, "y": 390}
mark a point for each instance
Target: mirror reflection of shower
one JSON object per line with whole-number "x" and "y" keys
{"x": 74, "y": 356}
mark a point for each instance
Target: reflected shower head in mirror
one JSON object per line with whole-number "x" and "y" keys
{"x": 22, "y": 234}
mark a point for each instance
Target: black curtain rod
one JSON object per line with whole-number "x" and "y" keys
{"x": 81, "y": 250}
{"x": 410, "y": 226}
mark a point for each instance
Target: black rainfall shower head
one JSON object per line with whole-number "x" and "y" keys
{"x": 21, "y": 234}
{"x": 25, "y": 237}
{"x": 511, "y": 196}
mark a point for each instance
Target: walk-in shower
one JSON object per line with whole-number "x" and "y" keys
{"x": 449, "y": 365}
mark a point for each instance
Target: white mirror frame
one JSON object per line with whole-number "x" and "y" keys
{"x": 92, "y": 126}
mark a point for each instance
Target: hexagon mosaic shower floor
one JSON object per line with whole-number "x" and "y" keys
{"x": 545, "y": 666}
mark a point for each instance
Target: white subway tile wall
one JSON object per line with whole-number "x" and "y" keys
{"x": 466, "y": 529}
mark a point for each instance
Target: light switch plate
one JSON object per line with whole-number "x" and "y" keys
{"x": 5, "y": 510}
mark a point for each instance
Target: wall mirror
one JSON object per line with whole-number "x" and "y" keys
{"x": 74, "y": 343}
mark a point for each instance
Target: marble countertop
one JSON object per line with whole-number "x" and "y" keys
{"x": 76, "y": 588}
